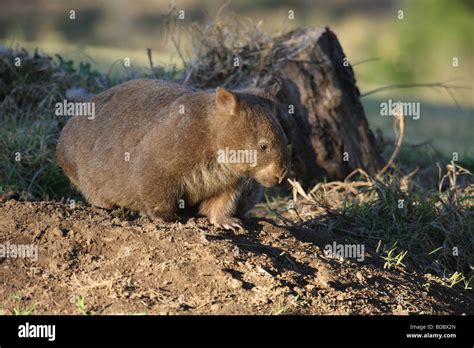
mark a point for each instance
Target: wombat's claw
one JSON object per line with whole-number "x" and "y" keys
{"x": 233, "y": 224}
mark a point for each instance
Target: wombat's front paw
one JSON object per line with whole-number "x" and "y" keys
{"x": 229, "y": 223}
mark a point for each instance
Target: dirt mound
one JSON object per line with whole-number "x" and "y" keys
{"x": 99, "y": 262}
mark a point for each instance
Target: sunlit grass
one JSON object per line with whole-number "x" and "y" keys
{"x": 406, "y": 224}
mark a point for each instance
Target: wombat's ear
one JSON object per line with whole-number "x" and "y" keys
{"x": 226, "y": 99}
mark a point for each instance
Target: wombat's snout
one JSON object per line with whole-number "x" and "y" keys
{"x": 273, "y": 174}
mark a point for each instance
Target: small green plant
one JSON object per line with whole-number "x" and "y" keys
{"x": 391, "y": 259}
{"x": 457, "y": 278}
{"x": 24, "y": 311}
{"x": 81, "y": 305}
{"x": 19, "y": 310}
{"x": 287, "y": 308}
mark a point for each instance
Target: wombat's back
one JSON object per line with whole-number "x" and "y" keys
{"x": 131, "y": 106}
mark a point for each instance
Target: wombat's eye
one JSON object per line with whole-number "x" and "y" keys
{"x": 263, "y": 147}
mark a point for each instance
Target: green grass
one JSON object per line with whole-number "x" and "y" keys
{"x": 392, "y": 257}
{"x": 286, "y": 306}
{"x": 27, "y": 156}
{"x": 407, "y": 225}
{"x": 22, "y": 310}
{"x": 81, "y": 305}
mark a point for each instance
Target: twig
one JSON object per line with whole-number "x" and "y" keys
{"x": 401, "y": 126}
{"x": 365, "y": 61}
{"x": 177, "y": 46}
{"x": 412, "y": 85}
{"x": 148, "y": 51}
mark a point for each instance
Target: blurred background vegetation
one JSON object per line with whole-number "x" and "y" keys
{"x": 416, "y": 49}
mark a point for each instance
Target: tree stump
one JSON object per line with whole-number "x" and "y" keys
{"x": 319, "y": 101}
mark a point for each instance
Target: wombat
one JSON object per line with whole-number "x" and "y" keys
{"x": 156, "y": 146}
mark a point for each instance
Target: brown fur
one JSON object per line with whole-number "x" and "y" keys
{"x": 173, "y": 156}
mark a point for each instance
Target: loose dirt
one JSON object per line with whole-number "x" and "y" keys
{"x": 93, "y": 261}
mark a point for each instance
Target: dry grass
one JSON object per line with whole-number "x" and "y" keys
{"x": 432, "y": 230}
{"x": 217, "y": 45}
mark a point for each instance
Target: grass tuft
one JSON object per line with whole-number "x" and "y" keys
{"x": 407, "y": 225}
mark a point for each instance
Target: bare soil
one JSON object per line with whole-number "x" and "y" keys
{"x": 120, "y": 262}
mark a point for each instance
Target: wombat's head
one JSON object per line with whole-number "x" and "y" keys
{"x": 250, "y": 139}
